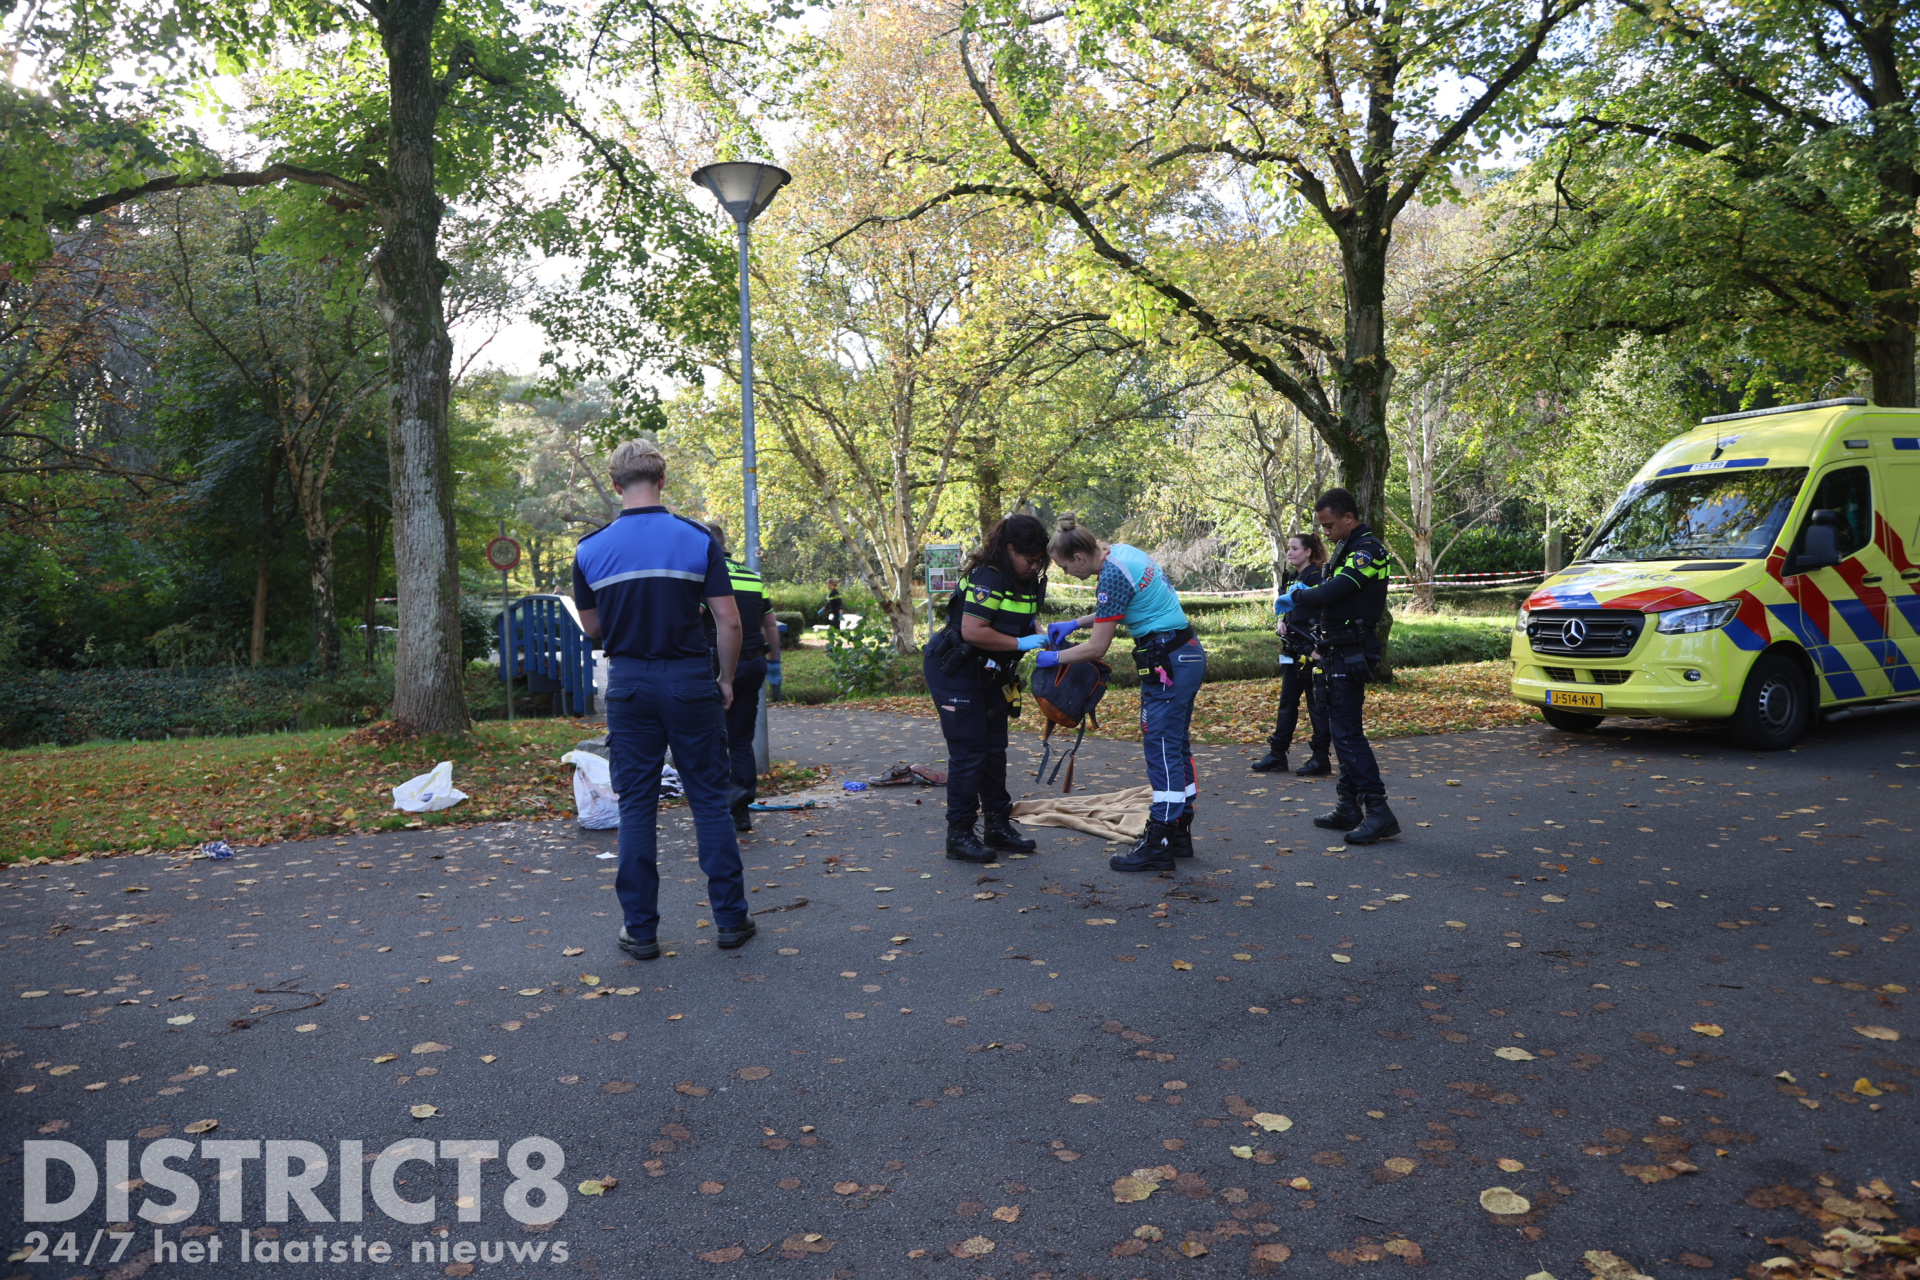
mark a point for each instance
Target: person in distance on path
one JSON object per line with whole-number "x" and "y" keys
{"x": 639, "y": 584}
{"x": 1133, "y": 588}
{"x": 972, "y": 668}
{"x": 1298, "y": 627}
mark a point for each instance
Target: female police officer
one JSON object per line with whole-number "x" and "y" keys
{"x": 1172, "y": 665}
{"x": 972, "y": 671}
{"x": 1298, "y": 629}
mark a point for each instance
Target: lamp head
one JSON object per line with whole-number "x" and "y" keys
{"x": 744, "y": 188}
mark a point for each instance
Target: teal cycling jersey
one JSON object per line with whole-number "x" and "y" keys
{"x": 1134, "y": 589}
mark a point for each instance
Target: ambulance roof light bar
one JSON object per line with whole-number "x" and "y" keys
{"x": 1843, "y": 401}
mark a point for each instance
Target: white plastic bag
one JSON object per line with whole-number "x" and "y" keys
{"x": 430, "y": 792}
{"x": 594, "y": 798}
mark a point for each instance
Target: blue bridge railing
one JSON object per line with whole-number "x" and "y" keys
{"x": 541, "y": 639}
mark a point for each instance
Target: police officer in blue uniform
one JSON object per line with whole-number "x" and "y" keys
{"x": 972, "y": 668}
{"x": 1133, "y": 588}
{"x": 1299, "y": 629}
{"x": 1350, "y": 602}
{"x": 759, "y": 664}
{"x": 639, "y": 584}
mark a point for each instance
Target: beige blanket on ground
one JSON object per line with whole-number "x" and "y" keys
{"x": 1111, "y": 815}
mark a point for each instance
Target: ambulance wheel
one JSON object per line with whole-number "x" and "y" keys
{"x": 1775, "y": 706}
{"x": 1571, "y": 721}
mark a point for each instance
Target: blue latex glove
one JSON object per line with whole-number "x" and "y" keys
{"x": 773, "y": 674}
{"x": 1284, "y": 601}
{"x": 1027, "y": 644}
{"x": 1057, "y": 632}
{"x": 1047, "y": 658}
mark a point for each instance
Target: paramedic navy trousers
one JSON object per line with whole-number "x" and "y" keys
{"x": 1166, "y": 729}
{"x": 973, "y": 719}
{"x": 653, "y": 704}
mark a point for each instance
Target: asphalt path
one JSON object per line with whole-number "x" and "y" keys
{"x": 1577, "y": 976}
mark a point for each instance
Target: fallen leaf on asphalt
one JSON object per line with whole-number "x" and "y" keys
{"x": 691, "y": 1089}
{"x": 431, "y": 1046}
{"x": 1242, "y": 1153}
{"x": 1513, "y": 1053}
{"x": 590, "y": 979}
{"x": 1864, "y": 1087}
{"x": 1658, "y": 903}
{"x": 1272, "y": 1123}
{"x": 421, "y": 1111}
{"x": 1456, "y": 924}
{"x": 1182, "y": 964}
{"x": 1400, "y": 1164}
{"x": 533, "y": 991}
{"x": 489, "y": 1057}
{"x": 711, "y": 1188}
{"x": 1083, "y": 1098}
{"x": 1132, "y": 1190}
{"x": 618, "y": 1086}
{"x": 382, "y": 950}
{"x": 1604, "y": 1265}
{"x": 811, "y": 1242}
{"x": 1300, "y": 1184}
{"x": 972, "y": 1247}
{"x": 201, "y": 1126}
{"x": 732, "y": 1253}
{"x": 1509, "y": 1165}
{"x": 1340, "y": 959}
{"x": 598, "y": 1186}
{"x": 1193, "y": 1249}
{"x": 183, "y": 1019}
{"x": 1407, "y": 1251}
{"x": 1501, "y": 1200}
{"x": 1871, "y": 1033}
{"x": 573, "y": 951}
{"x": 446, "y": 959}
{"x": 386, "y": 1057}
{"x": 1271, "y": 1252}
{"x": 1708, "y": 1029}
{"x": 64, "y": 1071}
{"x": 34, "y": 995}
{"x": 53, "y": 1126}
{"x": 1007, "y": 1213}
{"x": 845, "y": 1188}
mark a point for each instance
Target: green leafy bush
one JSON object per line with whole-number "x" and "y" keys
{"x": 862, "y": 661}
{"x": 77, "y": 706}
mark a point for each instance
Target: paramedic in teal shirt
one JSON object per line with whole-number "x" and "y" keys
{"x": 1132, "y": 588}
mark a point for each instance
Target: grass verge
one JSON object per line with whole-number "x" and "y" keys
{"x": 1443, "y": 699}
{"x": 132, "y": 797}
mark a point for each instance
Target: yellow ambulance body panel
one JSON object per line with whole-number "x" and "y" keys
{"x": 1758, "y": 568}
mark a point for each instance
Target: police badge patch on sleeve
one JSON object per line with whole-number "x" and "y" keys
{"x": 980, "y": 594}
{"x": 1361, "y": 559}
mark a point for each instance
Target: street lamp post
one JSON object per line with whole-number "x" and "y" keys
{"x": 744, "y": 189}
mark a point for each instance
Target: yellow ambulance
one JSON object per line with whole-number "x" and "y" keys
{"x": 1759, "y": 569}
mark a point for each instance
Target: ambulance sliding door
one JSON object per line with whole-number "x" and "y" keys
{"x": 1842, "y": 630}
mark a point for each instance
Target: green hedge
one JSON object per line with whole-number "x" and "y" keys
{"x": 77, "y": 706}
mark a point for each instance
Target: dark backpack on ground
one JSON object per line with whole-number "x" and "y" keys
{"x": 1068, "y": 696}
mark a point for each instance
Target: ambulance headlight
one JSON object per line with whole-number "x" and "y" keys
{"x": 1520, "y": 619}
{"x": 1700, "y": 617}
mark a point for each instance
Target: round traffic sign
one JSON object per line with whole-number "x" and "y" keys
{"x": 503, "y": 553}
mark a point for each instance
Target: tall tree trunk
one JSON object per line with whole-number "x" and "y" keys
{"x": 263, "y": 559}
{"x": 1365, "y": 374}
{"x": 428, "y": 696}
{"x": 326, "y": 621}
{"x": 986, "y": 488}
{"x": 370, "y": 522}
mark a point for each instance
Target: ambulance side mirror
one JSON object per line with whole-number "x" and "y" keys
{"x": 1820, "y": 544}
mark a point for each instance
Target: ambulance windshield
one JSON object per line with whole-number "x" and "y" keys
{"x": 1705, "y": 514}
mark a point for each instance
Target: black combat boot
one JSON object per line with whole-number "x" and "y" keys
{"x": 1003, "y": 836}
{"x": 1153, "y": 853}
{"x": 1315, "y": 767}
{"x": 1378, "y": 825}
{"x": 1345, "y": 816}
{"x": 964, "y": 846}
{"x": 1183, "y": 842}
{"x": 1275, "y": 761}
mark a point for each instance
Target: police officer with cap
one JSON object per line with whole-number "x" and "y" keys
{"x": 1350, "y": 600}
{"x": 639, "y": 584}
{"x": 759, "y": 664}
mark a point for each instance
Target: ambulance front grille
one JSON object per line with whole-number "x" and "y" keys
{"x": 1585, "y": 633}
